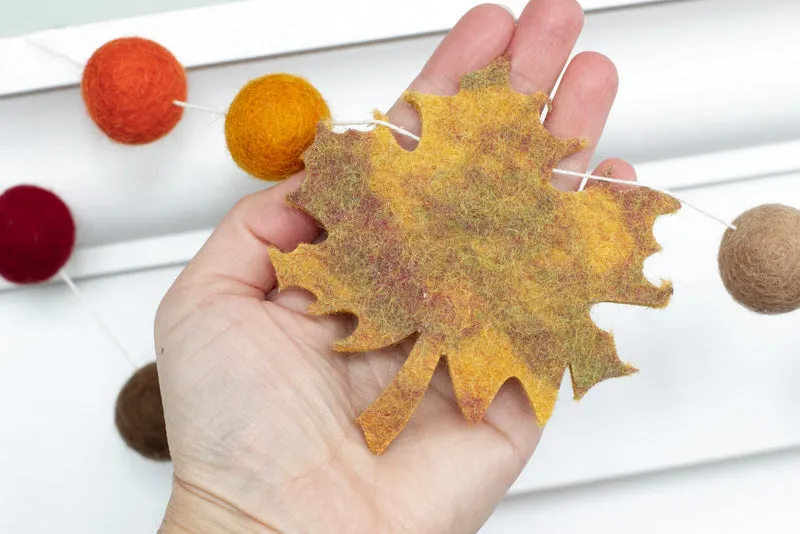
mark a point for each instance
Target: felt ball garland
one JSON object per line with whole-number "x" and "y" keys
{"x": 37, "y": 237}
{"x": 37, "y": 234}
{"x": 760, "y": 261}
{"x": 271, "y": 122}
{"x": 139, "y": 414}
{"x": 128, "y": 87}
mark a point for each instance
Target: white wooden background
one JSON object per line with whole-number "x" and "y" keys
{"x": 705, "y": 438}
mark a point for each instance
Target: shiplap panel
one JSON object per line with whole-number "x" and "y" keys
{"x": 234, "y": 32}
{"x": 715, "y": 382}
{"x": 745, "y": 496}
{"x": 677, "y": 97}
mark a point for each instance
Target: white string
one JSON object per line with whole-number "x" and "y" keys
{"x": 377, "y": 122}
{"x": 584, "y": 176}
{"x": 636, "y": 184}
{"x": 55, "y": 53}
{"x": 186, "y": 105}
{"x": 96, "y": 316}
{"x": 374, "y": 122}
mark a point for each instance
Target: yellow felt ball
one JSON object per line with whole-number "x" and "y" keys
{"x": 271, "y": 122}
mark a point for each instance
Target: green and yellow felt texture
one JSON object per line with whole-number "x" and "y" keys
{"x": 465, "y": 243}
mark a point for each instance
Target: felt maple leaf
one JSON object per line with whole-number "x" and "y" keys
{"x": 465, "y": 243}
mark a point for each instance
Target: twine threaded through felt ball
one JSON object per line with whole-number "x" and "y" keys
{"x": 271, "y": 122}
{"x": 760, "y": 260}
{"x": 128, "y": 87}
{"x": 140, "y": 414}
{"x": 37, "y": 234}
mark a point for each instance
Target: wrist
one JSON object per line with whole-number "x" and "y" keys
{"x": 192, "y": 510}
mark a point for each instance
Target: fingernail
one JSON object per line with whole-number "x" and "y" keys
{"x": 510, "y": 11}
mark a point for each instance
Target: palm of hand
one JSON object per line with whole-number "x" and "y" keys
{"x": 260, "y": 411}
{"x": 285, "y": 426}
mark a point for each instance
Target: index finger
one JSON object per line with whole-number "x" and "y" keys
{"x": 481, "y": 35}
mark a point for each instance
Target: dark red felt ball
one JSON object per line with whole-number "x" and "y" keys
{"x": 37, "y": 234}
{"x": 129, "y": 85}
{"x": 140, "y": 415}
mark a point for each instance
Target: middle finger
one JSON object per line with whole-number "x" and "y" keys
{"x": 543, "y": 40}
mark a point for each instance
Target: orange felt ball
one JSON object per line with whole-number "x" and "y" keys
{"x": 128, "y": 86}
{"x": 271, "y": 122}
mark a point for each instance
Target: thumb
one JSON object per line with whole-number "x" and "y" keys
{"x": 235, "y": 259}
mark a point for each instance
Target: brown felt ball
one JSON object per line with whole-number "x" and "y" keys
{"x": 760, "y": 260}
{"x": 140, "y": 414}
{"x": 128, "y": 87}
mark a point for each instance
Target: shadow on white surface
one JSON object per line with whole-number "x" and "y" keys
{"x": 748, "y": 495}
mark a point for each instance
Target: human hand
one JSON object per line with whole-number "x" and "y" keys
{"x": 260, "y": 412}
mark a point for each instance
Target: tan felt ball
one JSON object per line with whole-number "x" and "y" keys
{"x": 760, "y": 260}
{"x": 140, "y": 414}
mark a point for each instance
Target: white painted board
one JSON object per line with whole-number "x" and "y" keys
{"x": 750, "y": 495}
{"x": 716, "y": 382}
{"x": 234, "y": 32}
{"x": 672, "y": 103}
